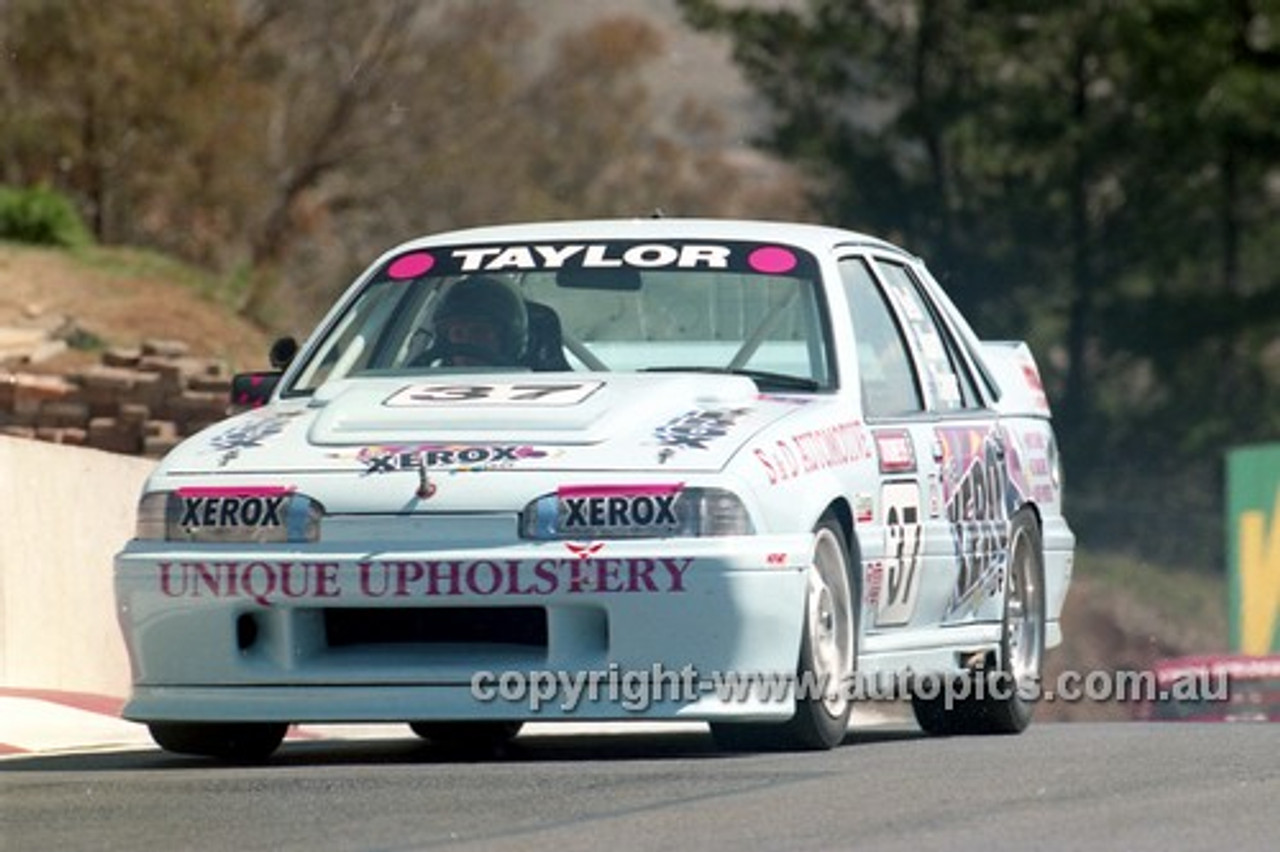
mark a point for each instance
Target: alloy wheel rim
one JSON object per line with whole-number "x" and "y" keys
{"x": 830, "y": 631}
{"x": 1022, "y": 627}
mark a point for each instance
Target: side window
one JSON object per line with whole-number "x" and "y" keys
{"x": 949, "y": 384}
{"x": 889, "y": 385}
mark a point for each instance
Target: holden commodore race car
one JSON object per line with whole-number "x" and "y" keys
{"x": 607, "y": 470}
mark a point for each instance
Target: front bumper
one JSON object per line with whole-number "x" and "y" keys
{"x": 341, "y": 633}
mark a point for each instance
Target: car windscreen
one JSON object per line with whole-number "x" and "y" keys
{"x": 747, "y": 308}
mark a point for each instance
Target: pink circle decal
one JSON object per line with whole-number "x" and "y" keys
{"x": 772, "y": 259}
{"x": 410, "y": 265}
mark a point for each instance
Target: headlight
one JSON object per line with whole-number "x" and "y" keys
{"x": 635, "y": 511}
{"x": 720, "y": 512}
{"x": 229, "y": 514}
{"x": 151, "y": 516}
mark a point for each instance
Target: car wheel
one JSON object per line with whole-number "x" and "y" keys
{"x": 234, "y": 742}
{"x": 467, "y": 736}
{"x": 1006, "y": 700}
{"x": 828, "y": 656}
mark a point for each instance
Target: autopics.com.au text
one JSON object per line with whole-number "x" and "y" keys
{"x": 636, "y": 690}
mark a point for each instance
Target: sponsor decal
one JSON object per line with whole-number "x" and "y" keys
{"x": 457, "y": 457}
{"x": 247, "y": 435}
{"x": 864, "y": 508}
{"x": 232, "y": 507}
{"x": 757, "y": 258}
{"x": 618, "y": 510}
{"x": 410, "y": 265}
{"x": 976, "y": 498}
{"x": 772, "y": 260}
{"x": 1030, "y": 465}
{"x": 775, "y": 559}
{"x": 817, "y": 449}
{"x": 942, "y": 384}
{"x": 267, "y": 582}
{"x": 896, "y": 451}
{"x": 582, "y": 551}
{"x": 519, "y": 393}
{"x": 592, "y": 255}
{"x": 695, "y": 429}
{"x": 935, "y": 496}
{"x": 874, "y": 583}
{"x": 1031, "y": 376}
{"x": 263, "y": 582}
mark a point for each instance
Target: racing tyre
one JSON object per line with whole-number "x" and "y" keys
{"x": 828, "y": 655}
{"x": 1006, "y": 700}
{"x": 468, "y": 737}
{"x": 234, "y": 742}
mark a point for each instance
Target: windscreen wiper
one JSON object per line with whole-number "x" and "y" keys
{"x": 762, "y": 378}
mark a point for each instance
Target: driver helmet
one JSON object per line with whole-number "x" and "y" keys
{"x": 484, "y": 315}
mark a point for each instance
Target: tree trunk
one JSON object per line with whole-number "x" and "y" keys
{"x": 1076, "y": 393}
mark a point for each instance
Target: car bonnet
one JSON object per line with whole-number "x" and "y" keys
{"x": 586, "y": 421}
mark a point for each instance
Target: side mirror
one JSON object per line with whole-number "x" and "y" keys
{"x": 282, "y": 352}
{"x": 252, "y": 390}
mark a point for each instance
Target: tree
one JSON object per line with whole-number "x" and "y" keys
{"x": 1097, "y": 177}
{"x": 100, "y": 96}
{"x": 295, "y": 140}
{"x": 342, "y": 67}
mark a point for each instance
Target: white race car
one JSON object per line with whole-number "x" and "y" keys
{"x": 711, "y": 470}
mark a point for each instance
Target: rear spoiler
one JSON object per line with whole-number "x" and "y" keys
{"x": 1014, "y": 369}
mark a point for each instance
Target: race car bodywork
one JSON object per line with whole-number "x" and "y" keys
{"x": 717, "y": 449}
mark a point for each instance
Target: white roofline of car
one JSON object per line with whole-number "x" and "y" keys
{"x": 801, "y": 234}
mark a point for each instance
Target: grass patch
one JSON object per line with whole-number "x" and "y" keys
{"x": 83, "y": 340}
{"x": 120, "y": 296}
{"x": 125, "y": 262}
{"x": 1182, "y": 596}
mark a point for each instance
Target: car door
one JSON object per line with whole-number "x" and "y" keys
{"x": 966, "y": 516}
{"x": 894, "y": 406}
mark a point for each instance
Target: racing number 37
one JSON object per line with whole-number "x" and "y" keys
{"x": 538, "y": 393}
{"x": 902, "y": 549}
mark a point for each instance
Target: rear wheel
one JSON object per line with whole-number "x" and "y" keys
{"x": 1005, "y": 701}
{"x": 234, "y": 742}
{"x": 828, "y": 654}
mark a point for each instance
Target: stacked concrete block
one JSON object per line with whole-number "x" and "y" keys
{"x": 139, "y": 401}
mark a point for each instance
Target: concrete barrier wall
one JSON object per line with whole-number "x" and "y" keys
{"x": 64, "y": 512}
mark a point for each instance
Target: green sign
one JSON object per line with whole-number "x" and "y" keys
{"x": 1253, "y": 548}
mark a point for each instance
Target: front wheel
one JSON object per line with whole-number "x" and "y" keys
{"x": 828, "y": 655}
{"x": 234, "y": 742}
{"x": 468, "y": 737}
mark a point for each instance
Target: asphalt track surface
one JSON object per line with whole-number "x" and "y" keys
{"x": 1090, "y": 786}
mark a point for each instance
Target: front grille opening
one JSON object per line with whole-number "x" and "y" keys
{"x": 246, "y": 631}
{"x": 516, "y": 625}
